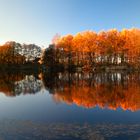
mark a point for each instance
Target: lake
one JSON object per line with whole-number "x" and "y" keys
{"x": 70, "y": 106}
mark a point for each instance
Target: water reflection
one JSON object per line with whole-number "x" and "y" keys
{"x": 13, "y": 84}
{"x": 29, "y": 84}
{"x": 106, "y": 90}
{"x": 38, "y": 117}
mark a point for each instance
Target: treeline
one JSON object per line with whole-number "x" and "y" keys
{"x": 85, "y": 50}
{"x": 90, "y": 49}
{"x": 16, "y": 53}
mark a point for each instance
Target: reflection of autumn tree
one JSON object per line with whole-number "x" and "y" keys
{"x": 28, "y": 85}
{"x": 12, "y": 84}
{"x": 111, "y": 90}
{"x": 7, "y": 82}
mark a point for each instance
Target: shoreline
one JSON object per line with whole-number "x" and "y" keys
{"x": 57, "y": 68}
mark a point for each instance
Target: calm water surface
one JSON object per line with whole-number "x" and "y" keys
{"x": 64, "y": 106}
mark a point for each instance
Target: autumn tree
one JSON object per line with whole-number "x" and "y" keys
{"x": 9, "y": 54}
{"x": 106, "y": 47}
{"x": 65, "y": 44}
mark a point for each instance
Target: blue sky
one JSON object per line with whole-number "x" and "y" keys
{"x": 37, "y": 21}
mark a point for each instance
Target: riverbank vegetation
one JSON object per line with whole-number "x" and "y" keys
{"x": 85, "y": 51}
{"x": 90, "y": 50}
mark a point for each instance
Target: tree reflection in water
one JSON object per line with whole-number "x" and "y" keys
{"x": 28, "y": 85}
{"x": 106, "y": 90}
{"x": 13, "y": 84}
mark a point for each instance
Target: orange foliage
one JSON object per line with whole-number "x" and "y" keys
{"x": 65, "y": 43}
{"x": 110, "y": 45}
